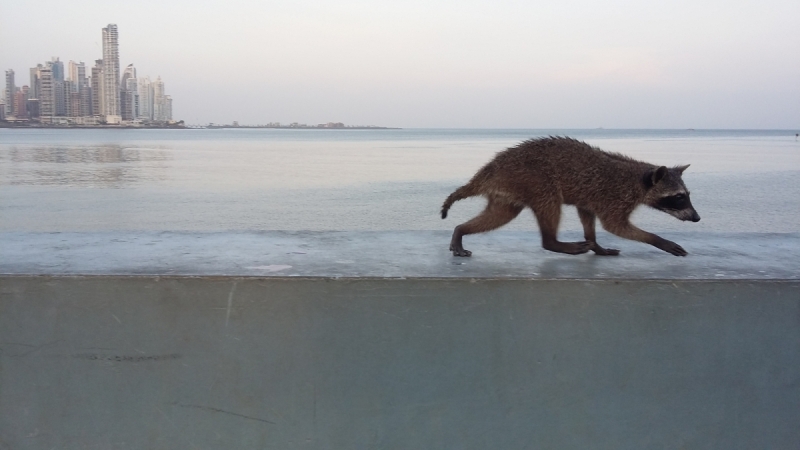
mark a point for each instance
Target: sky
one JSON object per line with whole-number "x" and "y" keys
{"x": 453, "y": 64}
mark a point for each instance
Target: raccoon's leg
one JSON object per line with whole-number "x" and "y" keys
{"x": 628, "y": 230}
{"x": 548, "y": 215}
{"x": 495, "y": 215}
{"x": 587, "y": 219}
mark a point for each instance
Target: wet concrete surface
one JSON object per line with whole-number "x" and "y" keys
{"x": 411, "y": 254}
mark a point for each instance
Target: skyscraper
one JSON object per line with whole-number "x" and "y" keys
{"x": 47, "y": 99}
{"x": 35, "y": 86}
{"x": 77, "y": 74}
{"x": 9, "y": 93}
{"x": 58, "y": 68}
{"x": 167, "y": 108}
{"x": 128, "y": 99}
{"x": 61, "y": 97}
{"x": 33, "y": 108}
{"x": 132, "y": 90}
{"x": 21, "y": 103}
{"x": 110, "y": 81}
{"x": 60, "y": 94}
{"x": 145, "y": 99}
{"x": 159, "y": 101}
{"x": 97, "y": 89}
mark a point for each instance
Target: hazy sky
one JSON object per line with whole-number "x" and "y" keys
{"x": 613, "y": 64}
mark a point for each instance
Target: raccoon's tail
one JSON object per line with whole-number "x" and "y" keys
{"x": 461, "y": 193}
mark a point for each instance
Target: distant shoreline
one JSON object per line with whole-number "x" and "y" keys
{"x": 287, "y": 127}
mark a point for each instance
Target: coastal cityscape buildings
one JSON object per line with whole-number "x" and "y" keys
{"x": 73, "y": 95}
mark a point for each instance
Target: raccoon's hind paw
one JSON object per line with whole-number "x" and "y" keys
{"x": 582, "y": 247}
{"x": 570, "y": 248}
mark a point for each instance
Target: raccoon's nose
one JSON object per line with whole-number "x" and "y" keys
{"x": 695, "y": 217}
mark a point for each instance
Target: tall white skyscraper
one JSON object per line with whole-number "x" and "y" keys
{"x": 110, "y": 78}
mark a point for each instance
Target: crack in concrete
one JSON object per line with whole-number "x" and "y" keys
{"x": 209, "y": 408}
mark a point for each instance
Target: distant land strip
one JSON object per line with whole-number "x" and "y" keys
{"x": 303, "y": 127}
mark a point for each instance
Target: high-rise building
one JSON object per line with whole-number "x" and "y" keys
{"x": 131, "y": 111}
{"x": 80, "y": 95}
{"x": 9, "y": 92}
{"x": 97, "y": 89}
{"x": 47, "y": 99}
{"x": 34, "y": 92}
{"x": 73, "y": 99}
{"x": 61, "y": 96}
{"x": 145, "y": 99}
{"x": 58, "y": 68}
{"x": 21, "y": 103}
{"x": 110, "y": 81}
{"x": 33, "y": 108}
{"x": 77, "y": 74}
{"x": 167, "y": 108}
{"x": 128, "y": 99}
{"x": 159, "y": 107}
{"x": 86, "y": 99}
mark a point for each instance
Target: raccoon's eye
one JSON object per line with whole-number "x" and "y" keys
{"x": 680, "y": 197}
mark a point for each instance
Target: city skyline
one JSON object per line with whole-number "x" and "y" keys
{"x": 476, "y": 64}
{"x": 58, "y": 97}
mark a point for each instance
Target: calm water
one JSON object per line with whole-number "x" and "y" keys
{"x": 210, "y": 180}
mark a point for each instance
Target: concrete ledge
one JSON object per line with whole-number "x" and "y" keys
{"x": 225, "y": 362}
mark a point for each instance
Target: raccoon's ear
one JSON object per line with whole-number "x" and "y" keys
{"x": 653, "y": 176}
{"x": 682, "y": 168}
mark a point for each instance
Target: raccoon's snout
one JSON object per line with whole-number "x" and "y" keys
{"x": 694, "y": 217}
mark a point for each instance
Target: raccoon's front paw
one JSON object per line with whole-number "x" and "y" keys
{"x": 600, "y": 251}
{"x": 460, "y": 251}
{"x": 675, "y": 249}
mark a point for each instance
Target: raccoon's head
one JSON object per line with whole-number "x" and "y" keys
{"x": 666, "y": 192}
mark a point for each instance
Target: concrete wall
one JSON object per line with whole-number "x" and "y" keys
{"x": 210, "y": 363}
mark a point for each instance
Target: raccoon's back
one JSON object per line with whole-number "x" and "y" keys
{"x": 552, "y": 158}
{"x": 565, "y": 164}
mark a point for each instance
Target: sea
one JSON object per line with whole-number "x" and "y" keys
{"x": 84, "y": 180}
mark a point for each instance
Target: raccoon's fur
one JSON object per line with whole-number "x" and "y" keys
{"x": 542, "y": 174}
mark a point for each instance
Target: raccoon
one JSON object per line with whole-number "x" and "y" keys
{"x": 542, "y": 174}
